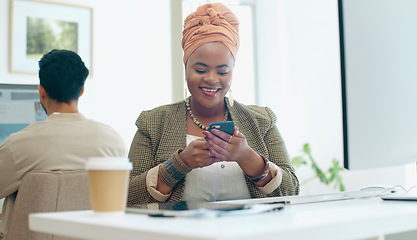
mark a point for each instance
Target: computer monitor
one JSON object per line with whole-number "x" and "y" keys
{"x": 19, "y": 107}
{"x": 378, "y": 45}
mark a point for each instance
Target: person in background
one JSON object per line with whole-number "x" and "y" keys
{"x": 65, "y": 140}
{"x": 176, "y": 158}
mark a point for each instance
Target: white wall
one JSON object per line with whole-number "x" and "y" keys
{"x": 131, "y": 57}
{"x": 299, "y": 72}
{"x": 299, "y": 57}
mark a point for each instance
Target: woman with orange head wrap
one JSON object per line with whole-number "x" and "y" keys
{"x": 174, "y": 155}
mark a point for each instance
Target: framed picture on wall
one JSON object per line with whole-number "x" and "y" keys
{"x": 37, "y": 27}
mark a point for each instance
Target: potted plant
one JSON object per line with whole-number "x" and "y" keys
{"x": 331, "y": 177}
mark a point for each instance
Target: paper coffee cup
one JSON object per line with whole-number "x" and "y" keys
{"x": 109, "y": 180}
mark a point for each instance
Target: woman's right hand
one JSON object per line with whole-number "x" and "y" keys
{"x": 196, "y": 154}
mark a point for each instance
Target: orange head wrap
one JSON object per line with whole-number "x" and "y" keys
{"x": 211, "y": 22}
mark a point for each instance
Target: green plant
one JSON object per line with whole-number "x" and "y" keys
{"x": 331, "y": 177}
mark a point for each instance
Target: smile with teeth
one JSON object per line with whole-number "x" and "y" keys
{"x": 212, "y": 90}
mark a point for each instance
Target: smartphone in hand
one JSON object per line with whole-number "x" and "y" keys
{"x": 227, "y": 127}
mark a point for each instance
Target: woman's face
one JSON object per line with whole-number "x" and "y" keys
{"x": 208, "y": 73}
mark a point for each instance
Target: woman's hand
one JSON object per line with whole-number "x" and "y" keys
{"x": 196, "y": 154}
{"x": 225, "y": 147}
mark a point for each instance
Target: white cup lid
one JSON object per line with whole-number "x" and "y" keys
{"x": 108, "y": 163}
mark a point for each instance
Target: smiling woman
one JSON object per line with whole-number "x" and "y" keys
{"x": 174, "y": 156}
{"x": 245, "y": 87}
{"x": 208, "y": 73}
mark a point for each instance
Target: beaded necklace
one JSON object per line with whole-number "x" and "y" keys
{"x": 199, "y": 124}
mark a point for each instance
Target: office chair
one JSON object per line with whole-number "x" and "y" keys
{"x": 47, "y": 191}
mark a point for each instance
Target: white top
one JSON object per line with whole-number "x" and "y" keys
{"x": 219, "y": 181}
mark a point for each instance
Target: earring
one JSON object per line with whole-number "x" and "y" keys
{"x": 230, "y": 98}
{"x": 185, "y": 89}
{"x": 185, "y": 93}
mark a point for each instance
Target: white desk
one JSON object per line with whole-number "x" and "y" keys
{"x": 345, "y": 219}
